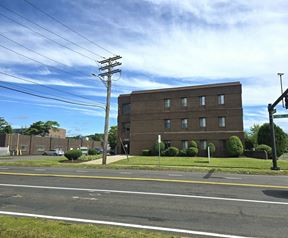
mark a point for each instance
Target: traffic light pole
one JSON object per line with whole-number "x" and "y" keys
{"x": 272, "y": 110}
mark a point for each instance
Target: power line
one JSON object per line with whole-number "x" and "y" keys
{"x": 66, "y": 26}
{"x": 39, "y": 62}
{"x": 64, "y": 46}
{"x": 56, "y": 34}
{"x": 45, "y": 86}
{"x": 52, "y": 98}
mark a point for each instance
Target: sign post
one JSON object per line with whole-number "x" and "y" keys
{"x": 209, "y": 153}
{"x": 159, "y": 142}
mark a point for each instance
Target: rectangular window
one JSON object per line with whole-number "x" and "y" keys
{"x": 24, "y": 148}
{"x": 222, "y": 121}
{"x": 203, "y": 144}
{"x": 184, "y": 144}
{"x": 167, "y": 123}
{"x": 167, "y": 143}
{"x": 126, "y": 126}
{"x": 221, "y": 99}
{"x": 202, "y": 100}
{"x": 126, "y": 108}
{"x": 202, "y": 122}
{"x": 167, "y": 103}
{"x": 184, "y": 102}
{"x": 184, "y": 123}
{"x": 40, "y": 148}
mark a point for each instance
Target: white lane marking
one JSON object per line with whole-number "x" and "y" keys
{"x": 146, "y": 193}
{"x": 232, "y": 178}
{"x": 3, "y": 168}
{"x": 125, "y": 173}
{"x": 17, "y": 196}
{"x": 175, "y": 175}
{"x": 156, "y": 228}
{"x": 84, "y": 198}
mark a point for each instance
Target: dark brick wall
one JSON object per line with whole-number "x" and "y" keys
{"x": 148, "y": 113}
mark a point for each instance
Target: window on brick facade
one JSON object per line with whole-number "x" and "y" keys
{"x": 222, "y": 121}
{"x": 184, "y": 144}
{"x": 167, "y": 103}
{"x": 202, "y": 122}
{"x": 221, "y": 99}
{"x": 184, "y": 102}
{"x": 126, "y": 108}
{"x": 202, "y": 100}
{"x": 184, "y": 123}
{"x": 203, "y": 144}
{"x": 126, "y": 127}
{"x": 167, "y": 123}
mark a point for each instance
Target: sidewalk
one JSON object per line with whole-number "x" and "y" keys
{"x": 110, "y": 159}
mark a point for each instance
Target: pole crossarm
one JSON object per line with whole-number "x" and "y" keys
{"x": 285, "y": 94}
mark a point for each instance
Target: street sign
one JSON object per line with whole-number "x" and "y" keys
{"x": 281, "y": 116}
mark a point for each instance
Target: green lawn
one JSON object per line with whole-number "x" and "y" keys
{"x": 13, "y": 227}
{"x": 233, "y": 165}
{"x": 51, "y": 161}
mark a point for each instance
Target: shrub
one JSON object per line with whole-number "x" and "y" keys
{"x": 146, "y": 152}
{"x": 192, "y": 151}
{"x": 264, "y": 137}
{"x": 92, "y": 152}
{"x": 156, "y": 148}
{"x": 266, "y": 148}
{"x": 234, "y": 146}
{"x": 73, "y": 154}
{"x": 212, "y": 148}
{"x": 193, "y": 143}
{"x": 248, "y": 142}
{"x": 172, "y": 151}
{"x": 182, "y": 153}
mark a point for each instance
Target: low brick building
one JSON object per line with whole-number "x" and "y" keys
{"x": 206, "y": 113}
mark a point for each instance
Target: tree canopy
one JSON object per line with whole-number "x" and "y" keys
{"x": 112, "y": 137}
{"x": 41, "y": 128}
{"x": 5, "y": 127}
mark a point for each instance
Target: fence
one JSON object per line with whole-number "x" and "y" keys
{"x": 36, "y": 145}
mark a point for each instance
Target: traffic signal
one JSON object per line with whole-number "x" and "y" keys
{"x": 286, "y": 101}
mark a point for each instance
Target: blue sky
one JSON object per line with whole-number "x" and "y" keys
{"x": 164, "y": 43}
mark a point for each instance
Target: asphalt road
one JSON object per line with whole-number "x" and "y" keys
{"x": 214, "y": 204}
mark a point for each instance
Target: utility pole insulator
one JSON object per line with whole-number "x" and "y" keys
{"x": 107, "y": 71}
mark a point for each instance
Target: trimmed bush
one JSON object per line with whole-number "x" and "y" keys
{"x": 266, "y": 148}
{"x": 192, "y": 151}
{"x": 193, "y": 143}
{"x": 155, "y": 149}
{"x": 92, "y": 152}
{"x": 212, "y": 148}
{"x": 172, "y": 151}
{"x": 146, "y": 152}
{"x": 73, "y": 154}
{"x": 182, "y": 153}
{"x": 234, "y": 146}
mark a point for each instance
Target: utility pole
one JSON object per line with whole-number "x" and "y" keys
{"x": 107, "y": 71}
{"x": 280, "y": 75}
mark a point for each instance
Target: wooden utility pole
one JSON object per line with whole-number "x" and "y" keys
{"x": 108, "y": 71}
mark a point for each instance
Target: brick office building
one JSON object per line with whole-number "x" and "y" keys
{"x": 206, "y": 113}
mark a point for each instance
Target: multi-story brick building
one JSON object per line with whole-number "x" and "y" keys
{"x": 206, "y": 113}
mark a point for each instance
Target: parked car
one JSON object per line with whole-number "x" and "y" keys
{"x": 54, "y": 152}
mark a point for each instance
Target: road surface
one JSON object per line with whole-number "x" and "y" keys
{"x": 212, "y": 205}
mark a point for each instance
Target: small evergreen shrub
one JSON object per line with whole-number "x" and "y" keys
{"x": 234, "y": 146}
{"x": 212, "y": 148}
{"x": 146, "y": 152}
{"x": 172, "y": 151}
{"x": 156, "y": 148}
{"x": 73, "y": 154}
{"x": 266, "y": 148}
{"x": 182, "y": 153}
{"x": 193, "y": 143}
{"x": 192, "y": 151}
{"x": 92, "y": 152}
